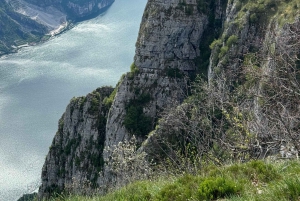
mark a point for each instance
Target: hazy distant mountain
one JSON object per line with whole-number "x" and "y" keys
{"x": 75, "y": 9}
{"x": 25, "y": 22}
{"x": 17, "y": 29}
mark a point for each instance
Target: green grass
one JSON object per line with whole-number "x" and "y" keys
{"x": 256, "y": 180}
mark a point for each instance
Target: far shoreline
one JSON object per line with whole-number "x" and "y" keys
{"x": 47, "y": 37}
{"x": 69, "y": 24}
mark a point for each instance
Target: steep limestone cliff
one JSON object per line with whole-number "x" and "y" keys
{"x": 75, "y": 156}
{"x": 172, "y": 46}
{"x": 253, "y": 77}
{"x": 166, "y": 49}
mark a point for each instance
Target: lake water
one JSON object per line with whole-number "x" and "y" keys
{"x": 37, "y": 83}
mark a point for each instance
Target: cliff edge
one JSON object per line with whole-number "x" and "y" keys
{"x": 178, "y": 40}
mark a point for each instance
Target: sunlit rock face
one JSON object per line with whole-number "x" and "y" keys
{"x": 170, "y": 36}
{"x": 75, "y": 155}
{"x": 166, "y": 47}
{"x": 167, "y": 50}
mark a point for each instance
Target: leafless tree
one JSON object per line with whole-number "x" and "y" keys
{"x": 243, "y": 114}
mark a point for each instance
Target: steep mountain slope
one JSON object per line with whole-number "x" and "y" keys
{"x": 25, "y": 22}
{"x": 17, "y": 29}
{"x": 75, "y": 9}
{"x": 49, "y": 16}
{"x": 247, "y": 110}
{"x": 75, "y": 155}
{"x": 240, "y": 44}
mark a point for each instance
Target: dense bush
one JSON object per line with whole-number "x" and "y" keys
{"x": 215, "y": 188}
{"x": 231, "y": 40}
{"x": 215, "y": 43}
{"x": 135, "y": 121}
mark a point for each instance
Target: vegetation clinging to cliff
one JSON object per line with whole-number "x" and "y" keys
{"x": 135, "y": 121}
{"x": 227, "y": 119}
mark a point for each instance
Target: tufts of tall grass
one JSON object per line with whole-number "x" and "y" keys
{"x": 255, "y": 180}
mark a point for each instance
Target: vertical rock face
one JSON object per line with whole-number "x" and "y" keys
{"x": 75, "y": 156}
{"x": 166, "y": 48}
{"x": 170, "y": 35}
{"x": 248, "y": 35}
{"x": 170, "y": 42}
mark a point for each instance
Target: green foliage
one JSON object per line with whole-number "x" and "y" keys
{"x": 253, "y": 18}
{"x": 210, "y": 34}
{"x": 291, "y": 187}
{"x": 95, "y": 103}
{"x": 238, "y": 182}
{"x": 54, "y": 190}
{"x": 109, "y": 100}
{"x": 181, "y": 190}
{"x": 72, "y": 144}
{"x": 255, "y": 170}
{"x": 135, "y": 121}
{"x": 231, "y": 40}
{"x": 262, "y": 11}
{"x": 215, "y": 188}
{"x": 134, "y": 69}
{"x": 223, "y": 51}
{"x": 215, "y": 43}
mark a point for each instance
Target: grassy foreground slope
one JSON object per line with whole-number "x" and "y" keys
{"x": 256, "y": 180}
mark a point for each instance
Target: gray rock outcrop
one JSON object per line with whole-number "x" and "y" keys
{"x": 166, "y": 47}
{"x": 173, "y": 41}
{"x": 75, "y": 156}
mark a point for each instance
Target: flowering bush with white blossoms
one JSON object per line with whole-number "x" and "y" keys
{"x": 126, "y": 163}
